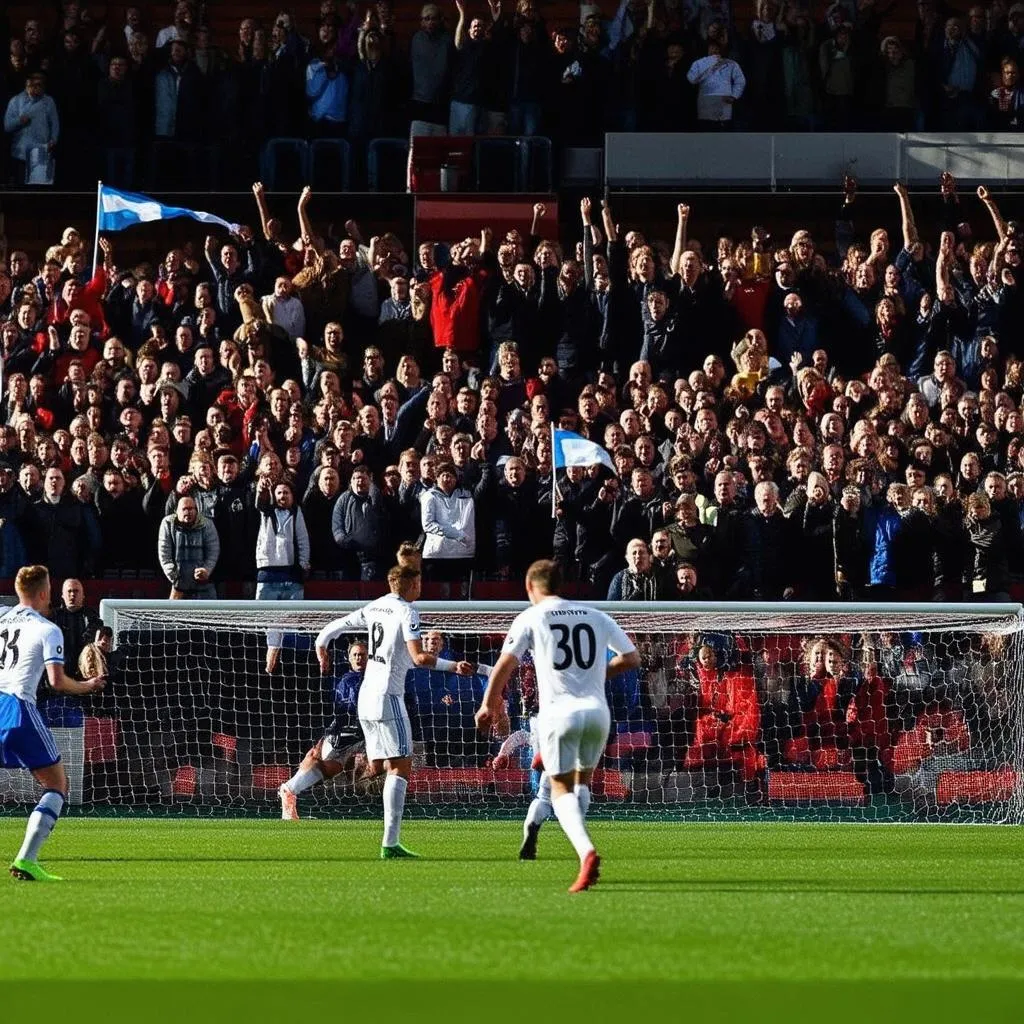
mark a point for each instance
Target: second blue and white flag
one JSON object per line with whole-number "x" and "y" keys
{"x": 569, "y": 449}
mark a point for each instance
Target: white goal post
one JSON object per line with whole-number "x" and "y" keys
{"x": 845, "y": 712}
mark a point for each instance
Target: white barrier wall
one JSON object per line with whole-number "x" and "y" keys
{"x": 654, "y": 160}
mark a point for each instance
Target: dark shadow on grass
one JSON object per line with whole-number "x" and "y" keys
{"x": 787, "y": 885}
{"x": 366, "y": 859}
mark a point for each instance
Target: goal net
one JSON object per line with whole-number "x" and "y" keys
{"x": 788, "y": 712}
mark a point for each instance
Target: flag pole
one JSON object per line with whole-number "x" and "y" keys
{"x": 96, "y": 240}
{"x": 554, "y": 471}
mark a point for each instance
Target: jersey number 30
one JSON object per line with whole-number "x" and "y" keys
{"x": 9, "y": 640}
{"x": 577, "y": 645}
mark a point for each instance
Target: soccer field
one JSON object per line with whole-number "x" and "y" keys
{"x": 742, "y": 908}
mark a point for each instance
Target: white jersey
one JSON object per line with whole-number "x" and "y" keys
{"x": 28, "y": 642}
{"x": 569, "y": 643}
{"x": 388, "y": 622}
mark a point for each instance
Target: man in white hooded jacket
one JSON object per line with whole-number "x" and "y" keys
{"x": 449, "y": 527}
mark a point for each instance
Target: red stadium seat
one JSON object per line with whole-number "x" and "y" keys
{"x": 609, "y": 784}
{"x": 226, "y": 745}
{"x": 975, "y": 787}
{"x": 101, "y": 736}
{"x": 270, "y": 776}
{"x": 449, "y": 783}
{"x": 626, "y": 743}
{"x": 185, "y": 781}
{"x": 815, "y": 787}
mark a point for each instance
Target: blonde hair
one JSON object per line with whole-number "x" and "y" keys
{"x": 409, "y": 556}
{"x": 31, "y": 580}
{"x": 401, "y": 577}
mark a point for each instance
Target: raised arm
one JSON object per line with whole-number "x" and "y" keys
{"x": 683, "y": 212}
{"x": 261, "y": 206}
{"x": 993, "y": 210}
{"x": 539, "y": 210}
{"x": 460, "y": 27}
{"x": 352, "y": 227}
{"x": 944, "y": 267}
{"x": 610, "y": 228}
{"x": 210, "y": 252}
{"x": 305, "y": 228}
{"x": 910, "y": 236}
{"x": 588, "y": 243}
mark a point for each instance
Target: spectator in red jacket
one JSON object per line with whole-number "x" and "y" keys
{"x": 457, "y": 295}
{"x": 728, "y": 724}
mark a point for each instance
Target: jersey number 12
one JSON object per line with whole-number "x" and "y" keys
{"x": 376, "y": 638}
{"x": 576, "y": 645}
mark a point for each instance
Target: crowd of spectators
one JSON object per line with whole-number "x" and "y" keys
{"x": 96, "y": 95}
{"x": 780, "y": 425}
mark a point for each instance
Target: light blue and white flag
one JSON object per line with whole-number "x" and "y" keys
{"x": 569, "y": 449}
{"x": 116, "y": 210}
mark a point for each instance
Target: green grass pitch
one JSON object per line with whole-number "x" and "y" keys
{"x": 929, "y": 914}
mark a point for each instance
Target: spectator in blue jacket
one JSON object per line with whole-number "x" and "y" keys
{"x": 31, "y": 120}
{"x": 888, "y": 526}
{"x": 637, "y": 582}
{"x": 327, "y": 88}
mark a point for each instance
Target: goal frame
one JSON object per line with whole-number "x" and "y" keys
{"x": 772, "y": 617}
{"x": 110, "y": 608}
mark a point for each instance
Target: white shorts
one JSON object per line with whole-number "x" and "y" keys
{"x": 573, "y": 737}
{"x": 388, "y": 737}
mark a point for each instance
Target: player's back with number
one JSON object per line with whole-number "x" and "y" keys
{"x": 389, "y": 622}
{"x": 28, "y": 641}
{"x": 569, "y": 642}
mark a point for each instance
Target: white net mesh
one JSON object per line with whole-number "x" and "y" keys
{"x": 827, "y": 713}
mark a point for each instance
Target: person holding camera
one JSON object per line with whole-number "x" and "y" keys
{"x": 282, "y": 552}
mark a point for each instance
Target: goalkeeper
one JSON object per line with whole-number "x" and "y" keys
{"x": 342, "y": 740}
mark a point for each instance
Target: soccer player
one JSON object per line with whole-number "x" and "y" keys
{"x": 29, "y": 645}
{"x": 540, "y": 808}
{"x": 569, "y": 643}
{"x": 329, "y": 755}
{"x": 393, "y": 627}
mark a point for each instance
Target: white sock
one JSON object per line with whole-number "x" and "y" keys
{"x": 394, "y": 803}
{"x": 41, "y": 822}
{"x": 582, "y": 791}
{"x": 302, "y": 780}
{"x": 540, "y": 807}
{"x": 567, "y": 809}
